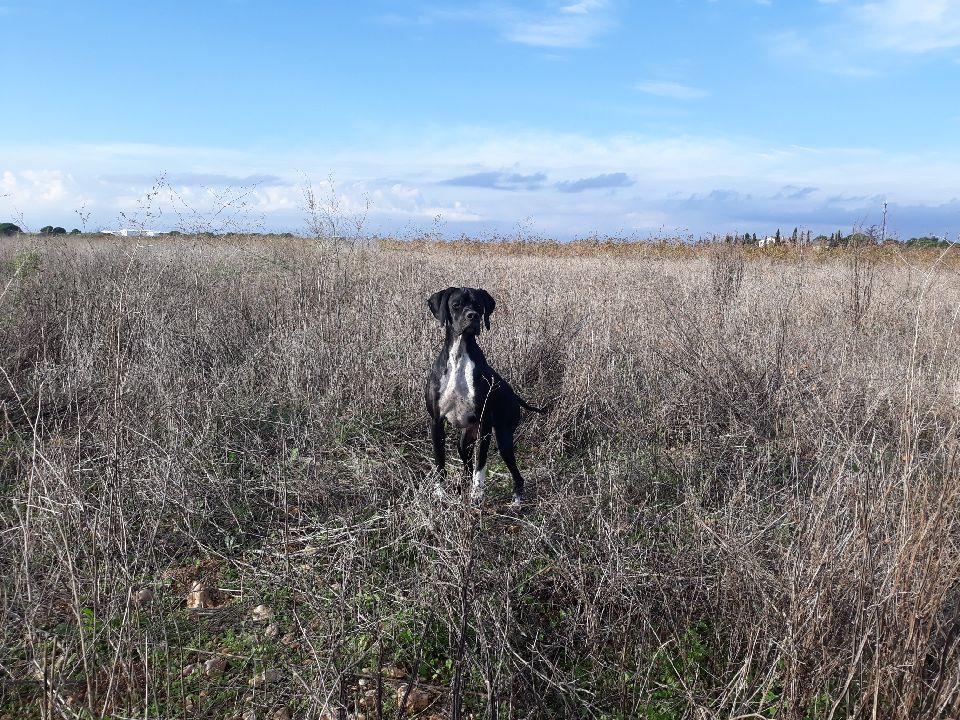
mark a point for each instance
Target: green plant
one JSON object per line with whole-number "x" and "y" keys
{"x": 24, "y": 263}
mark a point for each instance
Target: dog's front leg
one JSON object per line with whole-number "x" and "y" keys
{"x": 439, "y": 453}
{"x": 480, "y": 465}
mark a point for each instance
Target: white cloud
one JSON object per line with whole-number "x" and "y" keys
{"x": 668, "y": 89}
{"x": 36, "y": 187}
{"x": 629, "y": 181}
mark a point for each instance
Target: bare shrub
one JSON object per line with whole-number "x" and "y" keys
{"x": 726, "y": 272}
{"x": 861, "y": 278}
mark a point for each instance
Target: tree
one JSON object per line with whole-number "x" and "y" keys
{"x": 75, "y": 231}
{"x": 777, "y": 237}
{"x": 927, "y": 241}
{"x": 51, "y": 230}
{"x": 793, "y": 238}
{"x": 9, "y": 229}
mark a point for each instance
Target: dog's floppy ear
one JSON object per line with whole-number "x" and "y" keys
{"x": 489, "y": 305}
{"x": 438, "y": 305}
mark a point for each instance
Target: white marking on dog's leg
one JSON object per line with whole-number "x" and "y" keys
{"x": 479, "y": 480}
{"x": 517, "y": 502}
{"x": 438, "y": 492}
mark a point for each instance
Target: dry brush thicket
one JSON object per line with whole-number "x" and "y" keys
{"x": 743, "y": 504}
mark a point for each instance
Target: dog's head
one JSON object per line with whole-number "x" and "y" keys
{"x": 462, "y": 308}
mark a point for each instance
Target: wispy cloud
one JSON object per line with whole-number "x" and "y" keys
{"x": 583, "y": 7}
{"x": 663, "y": 88}
{"x": 561, "y": 26}
{"x": 597, "y": 182}
{"x": 828, "y": 51}
{"x": 187, "y": 179}
{"x": 910, "y": 26}
{"x": 575, "y": 25}
{"x": 862, "y": 36}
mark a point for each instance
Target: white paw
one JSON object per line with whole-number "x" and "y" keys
{"x": 516, "y": 502}
{"x": 438, "y": 492}
{"x": 479, "y": 481}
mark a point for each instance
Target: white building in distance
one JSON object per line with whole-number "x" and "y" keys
{"x": 132, "y": 233}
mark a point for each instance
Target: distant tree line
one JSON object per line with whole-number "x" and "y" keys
{"x": 836, "y": 239}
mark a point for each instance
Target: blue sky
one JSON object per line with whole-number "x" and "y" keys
{"x": 546, "y": 118}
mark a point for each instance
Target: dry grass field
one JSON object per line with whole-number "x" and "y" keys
{"x": 215, "y": 503}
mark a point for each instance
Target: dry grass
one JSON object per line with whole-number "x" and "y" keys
{"x": 744, "y": 504}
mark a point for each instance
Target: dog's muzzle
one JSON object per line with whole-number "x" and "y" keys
{"x": 470, "y": 322}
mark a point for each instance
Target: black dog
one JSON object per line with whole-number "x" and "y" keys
{"x": 465, "y": 391}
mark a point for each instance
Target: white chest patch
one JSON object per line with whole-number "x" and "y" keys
{"x": 457, "y": 394}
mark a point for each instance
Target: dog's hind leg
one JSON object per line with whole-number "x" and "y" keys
{"x": 480, "y": 465}
{"x": 505, "y": 446}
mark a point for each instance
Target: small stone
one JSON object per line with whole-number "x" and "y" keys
{"x": 417, "y": 700}
{"x": 394, "y": 672}
{"x": 261, "y": 612}
{"x": 369, "y": 699}
{"x": 281, "y": 713}
{"x": 188, "y": 670}
{"x": 250, "y": 714}
{"x": 267, "y": 676}
{"x": 143, "y": 597}
{"x": 215, "y": 666}
{"x": 272, "y": 631}
{"x": 199, "y": 597}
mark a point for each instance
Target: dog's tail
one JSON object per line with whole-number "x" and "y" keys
{"x": 528, "y": 406}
